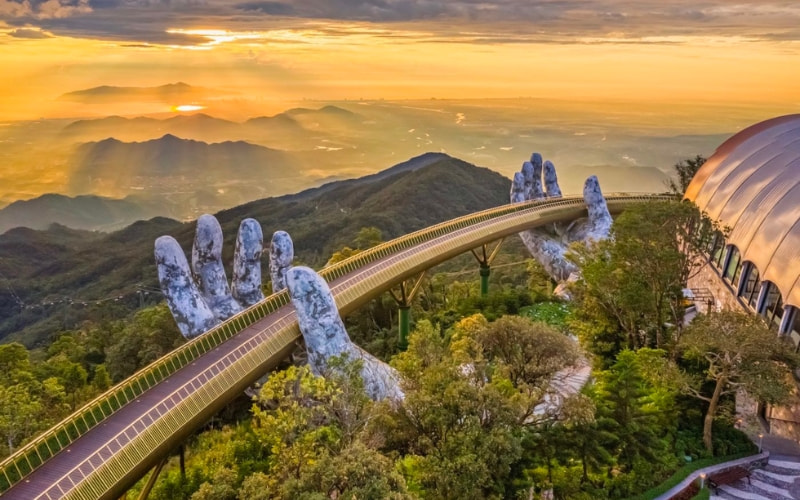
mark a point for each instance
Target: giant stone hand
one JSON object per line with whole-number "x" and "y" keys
{"x": 200, "y": 298}
{"x": 549, "y": 245}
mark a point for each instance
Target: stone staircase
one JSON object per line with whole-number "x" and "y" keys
{"x": 779, "y": 480}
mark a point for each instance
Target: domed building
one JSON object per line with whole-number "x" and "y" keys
{"x": 751, "y": 185}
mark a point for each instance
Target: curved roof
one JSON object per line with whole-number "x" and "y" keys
{"x": 752, "y": 185}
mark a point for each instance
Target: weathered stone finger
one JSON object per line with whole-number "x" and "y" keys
{"x": 536, "y": 188}
{"x": 208, "y": 270}
{"x": 190, "y": 311}
{"x": 246, "y": 284}
{"x": 281, "y": 255}
{"x": 599, "y": 218}
{"x": 325, "y": 335}
{"x": 527, "y": 175}
{"x": 551, "y": 180}
{"x": 518, "y": 193}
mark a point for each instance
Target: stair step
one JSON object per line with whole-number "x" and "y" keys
{"x": 744, "y": 495}
{"x": 769, "y": 488}
{"x": 784, "y": 478}
{"x": 785, "y": 464}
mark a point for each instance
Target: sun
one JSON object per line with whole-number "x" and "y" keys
{"x": 184, "y": 108}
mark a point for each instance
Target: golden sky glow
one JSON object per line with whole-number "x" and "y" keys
{"x": 46, "y": 52}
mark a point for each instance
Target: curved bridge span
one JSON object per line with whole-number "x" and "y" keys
{"x": 101, "y": 450}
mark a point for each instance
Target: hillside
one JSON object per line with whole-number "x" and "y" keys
{"x": 101, "y": 276}
{"x": 80, "y": 212}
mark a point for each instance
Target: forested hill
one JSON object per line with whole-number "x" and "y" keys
{"x": 53, "y": 280}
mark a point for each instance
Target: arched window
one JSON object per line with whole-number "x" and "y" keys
{"x": 718, "y": 250}
{"x": 734, "y": 267}
{"x": 752, "y": 286}
{"x": 794, "y": 330}
{"x": 773, "y": 309}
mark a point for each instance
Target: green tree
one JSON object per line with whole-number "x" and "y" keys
{"x": 368, "y": 237}
{"x": 101, "y": 379}
{"x": 632, "y": 283}
{"x": 741, "y": 353}
{"x": 20, "y": 408}
{"x": 625, "y": 399}
{"x": 685, "y": 171}
{"x": 340, "y": 255}
{"x": 148, "y": 335}
{"x": 356, "y": 472}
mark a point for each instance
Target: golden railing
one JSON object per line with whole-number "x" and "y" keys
{"x": 262, "y": 349}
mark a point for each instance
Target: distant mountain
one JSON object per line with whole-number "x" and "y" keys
{"x": 82, "y": 212}
{"x": 171, "y": 165}
{"x": 404, "y": 198}
{"x": 296, "y": 128}
{"x": 170, "y": 93}
{"x": 198, "y": 126}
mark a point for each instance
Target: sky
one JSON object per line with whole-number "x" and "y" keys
{"x": 721, "y": 51}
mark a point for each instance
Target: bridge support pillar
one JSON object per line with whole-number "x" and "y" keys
{"x": 151, "y": 481}
{"x": 403, "y": 300}
{"x": 485, "y": 257}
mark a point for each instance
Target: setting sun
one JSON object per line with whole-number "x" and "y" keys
{"x": 185, "y": 108}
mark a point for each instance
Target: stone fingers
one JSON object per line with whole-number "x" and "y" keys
{"x": 599, "y": 217}
{"x": 551, "y": 180}
{"x": 190, "y": 311}
{"x": 325, "y": 335}
{"x": 536, "y": 192}
{"x": 517, "y": 194}
{"x": 246, "y": 284}
{"x": 281, "y": 255}
{"x": 208, "y": 269}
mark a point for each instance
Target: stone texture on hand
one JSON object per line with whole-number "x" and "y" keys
{"x": 549, "y": 245}
{"x": 200, "y": 298}
{"x": 326, "y": 337}
{"x": 281, "y": 255}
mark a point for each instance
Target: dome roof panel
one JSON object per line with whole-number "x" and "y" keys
{"x": 787, "y": 255}
{"x": 775, "y": 225}
{"x": 752, "y": 185}
{"x": 745, "y": 227}
{"x": 718, "y": 171}
{"x": 757, "y": 180}
{"x": 750, "y": 169}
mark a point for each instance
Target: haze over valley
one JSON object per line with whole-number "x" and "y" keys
{"x": 181, "y": 164}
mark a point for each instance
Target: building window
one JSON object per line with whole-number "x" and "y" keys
{"x": 751, "y": 287}
{"x": 773, "y": 311}
{"x": 734, "y": 267}
{"x": 718, "y": 251}
{"x": 795, "y": 328}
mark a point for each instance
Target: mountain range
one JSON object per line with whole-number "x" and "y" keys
{"x": 169, "y": 93}
{"x": 56, "y": 278}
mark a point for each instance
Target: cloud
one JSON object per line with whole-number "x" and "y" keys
{"x": 43, "y": 9}
{"x": 29, "y": 33}
{"x": 468, "y": 21}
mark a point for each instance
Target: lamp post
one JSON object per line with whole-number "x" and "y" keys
{"x": 760, "y": 441}
{"x": 702, "y": 480}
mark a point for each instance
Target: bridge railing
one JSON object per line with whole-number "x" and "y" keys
{"x": 31, "y": 455}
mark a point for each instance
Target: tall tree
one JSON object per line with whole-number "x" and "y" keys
{"x": 625, "y": 399}
{"x": 685, "y": 171}
{"x": 635, "y": 278}
{"x": 741, "y": 352}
